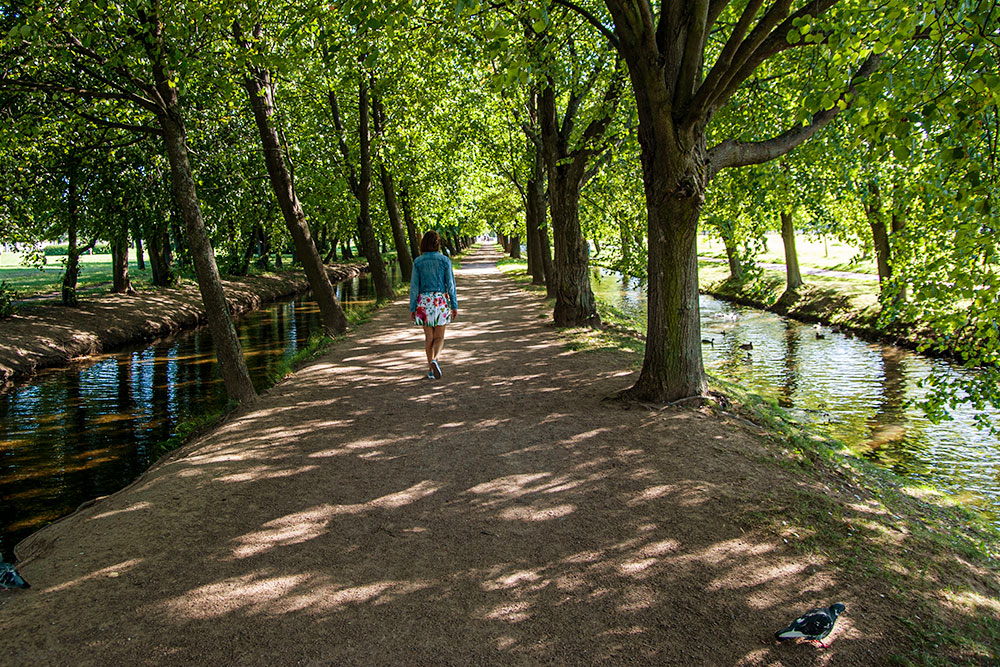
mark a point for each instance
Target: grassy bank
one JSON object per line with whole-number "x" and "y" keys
{"x": 938, "y": 563}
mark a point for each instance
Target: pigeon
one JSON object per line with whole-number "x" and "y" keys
{"x": 9, "y": 578}
{"x": 814, "y": 625}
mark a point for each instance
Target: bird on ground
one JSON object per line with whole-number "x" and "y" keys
{"x": 746, "y": 346}
{"x": 9, "y": 578}
{"x": 813, "y": 625}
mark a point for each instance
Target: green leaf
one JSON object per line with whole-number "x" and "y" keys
{"x": 793, "y": 37}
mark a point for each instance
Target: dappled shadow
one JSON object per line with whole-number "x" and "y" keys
{"x": 363, "y": 514}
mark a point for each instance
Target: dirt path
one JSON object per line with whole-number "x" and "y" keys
{"x": 361, "y": 514}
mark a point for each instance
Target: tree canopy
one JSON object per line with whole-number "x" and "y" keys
{"x": 612, "y": 132}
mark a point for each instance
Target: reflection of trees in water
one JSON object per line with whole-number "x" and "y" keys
{"x": 890, "y": 442}
{"x": 790, "y": 378}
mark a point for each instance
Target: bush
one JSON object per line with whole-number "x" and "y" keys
{"x": 62, "y": 249}
{"x": 7, "y": 297}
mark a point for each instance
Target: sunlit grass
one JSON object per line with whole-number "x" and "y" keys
{"x": 812, "y": 253}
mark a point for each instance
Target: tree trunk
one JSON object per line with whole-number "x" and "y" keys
{"x": 531, "y": 242}
{"x": 120, "y": 281}
{"x": 232, "y": 365}
{"x": 575, "y": 303}
{"x": 898, "y": 223}
{"x": 366, "y": 231}
{"x": 389, "y": 194}
{"x": 672, "y": 368}
{"x": 160, "y": 261}
{"x": 411, "y": 227}
{"x": 792, "y": 272}
{"x": 733, "y": 257}
{"x": 72, "y": 271}
{"x": 140, "y": 262}
{"x": 880, "y": 235}
{"x": 396, "y": 221}
{"x": 515, "y": 247}
{"x": 674, "y": 180}
{"x": 258, "y": 87}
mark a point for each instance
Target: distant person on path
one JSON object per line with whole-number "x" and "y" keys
{"x": 433, "y": 302}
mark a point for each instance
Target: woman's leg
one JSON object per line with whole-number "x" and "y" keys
{"x": 438, "y": 341}
{"x": 429, "y": 345}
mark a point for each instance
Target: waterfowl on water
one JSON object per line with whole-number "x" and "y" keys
{"x": 708, "y": 341}
{"x": 820, "y": 336}
{"x": 746, "y": 346}
{"x": 813, "y": 625}
{"x": 9, "y": 578}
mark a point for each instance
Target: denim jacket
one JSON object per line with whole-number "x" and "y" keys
{"x": 432, "y": 273}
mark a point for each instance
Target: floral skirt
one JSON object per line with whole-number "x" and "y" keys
{"x": 432, "y": 310}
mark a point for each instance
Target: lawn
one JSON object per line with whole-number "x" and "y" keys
{"x": 815, "y": 254}
{"x": 95, "y": 270}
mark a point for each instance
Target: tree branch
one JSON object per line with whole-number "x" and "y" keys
{"x": 592, "y": 20}
{"x": 345, "y": 151}
{"x": 746, "y": 51}
{"x": 143, "y": 129}
{"x": 732, "y": 153}
{"x": 691, "y": 58}
{"x": 705, "y": 91}
{"x": 776, "y": 42}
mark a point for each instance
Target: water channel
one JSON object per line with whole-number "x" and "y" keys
{"x": 859, "y": 392}
{"x": 72, "y": 434}
{"x": 76, "y": 433}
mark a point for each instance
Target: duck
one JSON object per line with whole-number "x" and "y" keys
{"x": 820, "y": 336}
{"x": 9, "y": 578}
{"x": 813, "y": 625}
{"x": 746, "y": 346}
{"x": 708, "y": 341}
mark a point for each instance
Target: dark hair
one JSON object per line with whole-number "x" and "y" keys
{"x": 431, "y": 242}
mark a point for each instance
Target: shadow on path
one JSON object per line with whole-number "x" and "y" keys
{"x": 362, "y": 514}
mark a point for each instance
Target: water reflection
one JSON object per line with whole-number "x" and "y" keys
{"x": 87, "y": 431}
{"x": 858, "y": 392}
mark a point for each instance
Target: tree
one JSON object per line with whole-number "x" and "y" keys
{"x": 114, "y": 65}
{"x": 260, "y": 89}
{"x": 678, "y": 89}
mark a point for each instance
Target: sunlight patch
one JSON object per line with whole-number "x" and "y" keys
{"x": 111, "y": 571}
{"x": 511, "y": 613}
{"x": 536, "y": 514}
{"x": 144, "y": 505}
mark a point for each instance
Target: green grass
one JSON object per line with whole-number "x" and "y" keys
{"x": 812, "y": 253}
{"x": 94, "y": 270}
{"x": 835, "y": 300}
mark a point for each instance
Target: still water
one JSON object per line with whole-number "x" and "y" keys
{"x": 76, "y": 433}
{"x": 858, "y": 392}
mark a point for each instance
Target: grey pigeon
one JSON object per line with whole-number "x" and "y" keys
{"x": 814, "y": 625}
{"x": 9, "y": 578}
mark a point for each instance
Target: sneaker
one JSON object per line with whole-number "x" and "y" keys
{"x": 435, "y": 370}
{"x": 430, "y": 376}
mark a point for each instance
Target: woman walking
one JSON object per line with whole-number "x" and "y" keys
{"x": 433, "y": 302}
